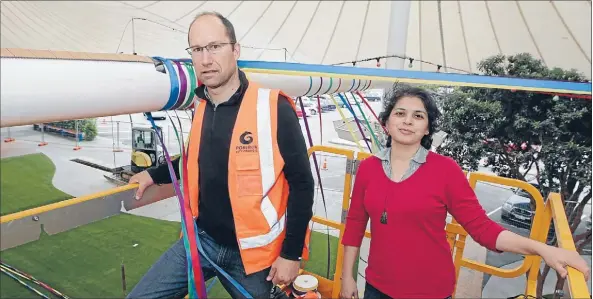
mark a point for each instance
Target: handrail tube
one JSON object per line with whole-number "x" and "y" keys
{"x": 349, "y": 154}
{"x": 532, "y": 277}
{"x": 576, "y": 279}
{"x": 534, "y": 234}
{"x": 64, "y": 203}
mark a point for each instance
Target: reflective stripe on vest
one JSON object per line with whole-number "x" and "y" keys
{"x": 268, "y": 175}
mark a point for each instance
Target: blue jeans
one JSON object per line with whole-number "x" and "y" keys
{"x": 370, "y": 292}
{"x": 167, "y": 278}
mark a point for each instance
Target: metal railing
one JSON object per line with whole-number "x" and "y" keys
{"x": 456, "y": 235}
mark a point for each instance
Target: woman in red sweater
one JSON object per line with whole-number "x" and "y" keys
{"x": 406, "y": 191}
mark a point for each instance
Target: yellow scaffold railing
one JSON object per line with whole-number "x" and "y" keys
{"x": 544, "y": 214}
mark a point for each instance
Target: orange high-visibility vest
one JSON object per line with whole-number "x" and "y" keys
{"x": 257, "y": 187}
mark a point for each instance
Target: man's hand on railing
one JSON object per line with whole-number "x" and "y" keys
{"x": 559, "y": 259}
{"x": 144, "y": 181}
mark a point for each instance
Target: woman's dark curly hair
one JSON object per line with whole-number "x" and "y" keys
{"x": 399, "y": 91}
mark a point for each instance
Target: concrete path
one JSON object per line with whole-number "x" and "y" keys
{"x": 77, "y": 179}
{"x": 70, "y": 177}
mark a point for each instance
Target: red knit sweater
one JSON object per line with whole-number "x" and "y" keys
{"x": 409, "y": 256}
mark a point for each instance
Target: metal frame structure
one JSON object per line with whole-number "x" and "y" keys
{"x": 25, "y": 226}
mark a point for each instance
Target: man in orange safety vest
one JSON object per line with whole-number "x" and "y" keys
{"x": 250, "y": 181}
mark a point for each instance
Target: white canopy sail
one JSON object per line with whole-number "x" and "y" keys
{"x": 453, "y": 34}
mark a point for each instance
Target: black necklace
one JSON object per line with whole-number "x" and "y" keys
{"x": 383, "y": 219}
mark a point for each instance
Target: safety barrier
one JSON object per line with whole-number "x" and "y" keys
{"x": 553, "y": 209}
{"x": 59, "y": 131}
{"x": 456, "y": 235}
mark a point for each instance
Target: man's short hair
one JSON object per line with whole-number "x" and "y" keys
{"x": 230, "y": 29}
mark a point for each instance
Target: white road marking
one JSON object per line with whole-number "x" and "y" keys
{"x": 496, "y": 210}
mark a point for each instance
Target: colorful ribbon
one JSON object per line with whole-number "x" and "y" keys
{"x": 173, "y": 94}
{"x": 193, "y": 80}
{"x": 377, "y": 144}
{"x": 196, "y": 285}
{"x": 11, "y": 272}
{"x": 183, "y": 86}
{"x": 348, "y": 127}
{"x": 32, "y": 289}
{"x": 364, "y": 100}
{"x": 316, "y": 170}
{"x": 356, "y": 120}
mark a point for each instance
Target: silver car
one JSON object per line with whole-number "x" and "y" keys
{"x": 517, "y": 209}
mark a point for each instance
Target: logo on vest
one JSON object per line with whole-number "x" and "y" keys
{"x": 246, "y": 139}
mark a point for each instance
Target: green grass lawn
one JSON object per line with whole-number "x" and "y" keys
{"x": 85, "y": 262}
{"x": 26, "y": 182}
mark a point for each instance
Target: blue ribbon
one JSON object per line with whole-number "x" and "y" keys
{"x": 173, "y": 95}
{"x": 201, "y": 251}
{"x": 238, "y": 286}
{"x": 356, "y": 120}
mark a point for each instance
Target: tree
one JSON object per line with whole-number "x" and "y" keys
{"x": 516, "y": 131}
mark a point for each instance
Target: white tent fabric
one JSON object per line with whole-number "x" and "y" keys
{"x": 454, "y": 34}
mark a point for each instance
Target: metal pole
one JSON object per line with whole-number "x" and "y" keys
{"x": 117, "y": 149}
{"x": 43, "y": 143}
{"x": 168, "y": 135}
{"x": 397, "y": 33}
{"x": 77, "y": 147}
{"x": 118, "y": 134}
{"x": 8, "y": 139}
{"x": 133, "y": 38}
{"x": 123, "y": 278}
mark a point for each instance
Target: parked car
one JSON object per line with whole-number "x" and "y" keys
{"x": 373, "y": 98}
{"x": 519, "y": 211}
{"x": 350, "y": 100}
{"x": 327, "y": 105}
{"x": 310, "y": 107}
{"x": 517, "y": 208}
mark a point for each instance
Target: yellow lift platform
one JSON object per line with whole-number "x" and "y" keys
{"x": 545, "y": 213}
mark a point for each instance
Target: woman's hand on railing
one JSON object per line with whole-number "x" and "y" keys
{"x": 556, "y": 258}
{"x": 560, "y": 258}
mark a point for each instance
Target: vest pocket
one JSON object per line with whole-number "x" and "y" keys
{"x": 248, "y": 185}
{"x": 247, "y": 161}
{"x": 248, "y": 174}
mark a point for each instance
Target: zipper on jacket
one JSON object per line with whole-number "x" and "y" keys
{"x": 213, "y": 122}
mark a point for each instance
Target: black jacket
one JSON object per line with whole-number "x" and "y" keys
{"x": 215, "y": 213}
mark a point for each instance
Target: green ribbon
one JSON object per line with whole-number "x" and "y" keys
{"x": 367, "y": 121}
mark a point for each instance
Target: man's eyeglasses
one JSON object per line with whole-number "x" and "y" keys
{"x": 211, "y": 48}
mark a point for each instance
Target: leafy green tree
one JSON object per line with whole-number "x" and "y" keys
{"x": 514, "y": 132}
